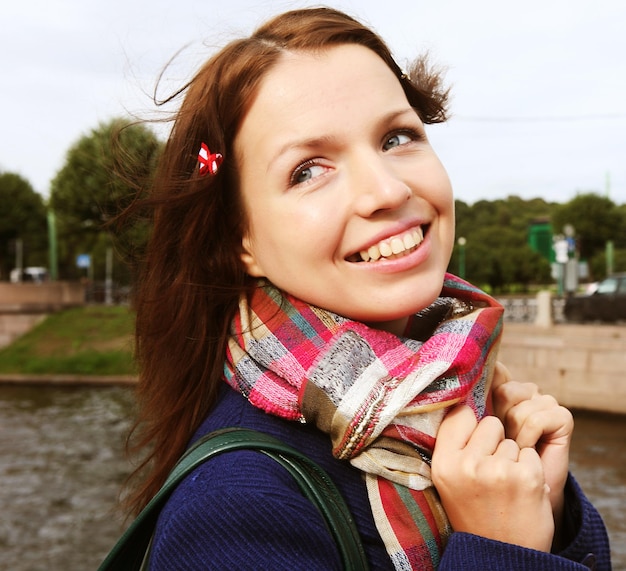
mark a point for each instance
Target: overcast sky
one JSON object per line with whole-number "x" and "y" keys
{"x": 539, "y": 87}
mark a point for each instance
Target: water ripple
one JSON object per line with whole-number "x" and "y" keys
{"x": 62, "y": 464}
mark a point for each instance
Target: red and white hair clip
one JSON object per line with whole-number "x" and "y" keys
{"x": 208, "y": 162}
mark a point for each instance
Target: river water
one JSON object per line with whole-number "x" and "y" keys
{"x": 62, "y": 464}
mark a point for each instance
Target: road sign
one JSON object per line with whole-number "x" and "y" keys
{"x": 83, "y": 261}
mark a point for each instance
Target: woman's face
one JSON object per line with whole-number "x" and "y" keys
{"x": 348, "y": 206}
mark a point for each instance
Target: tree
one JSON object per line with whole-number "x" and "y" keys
{"x": 497, "y": 252}
{"x": 595, "y": 220}
{"x": 23, "y": 218}
{"x": 98, "y": 179}
{"x": 620, "y": 235}
{"x": 500, "y": 258}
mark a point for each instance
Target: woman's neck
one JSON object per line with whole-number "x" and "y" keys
{"x": 397, "y": 327}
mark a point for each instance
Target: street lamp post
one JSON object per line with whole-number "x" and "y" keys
{"x": 52, "y": 247}
{"x": 462, "y": 241}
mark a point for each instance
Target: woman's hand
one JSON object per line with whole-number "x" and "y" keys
{"x": 536, "y": 420}
{"x": 488, "y": 484}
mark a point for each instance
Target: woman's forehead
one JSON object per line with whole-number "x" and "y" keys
{"x": 308, "y": 94}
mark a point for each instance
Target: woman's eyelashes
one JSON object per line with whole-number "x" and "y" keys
{"x": 401, "y": 137}
{"x": 311, "y": 169}
{"x": 306, "y": 171}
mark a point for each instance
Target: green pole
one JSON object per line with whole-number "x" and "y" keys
{"x": 52, "y": 246}
{"x": 609, "y": 257}
{"x": 462, "y": 243}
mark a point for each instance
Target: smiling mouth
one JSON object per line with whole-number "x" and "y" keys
{"x": 393, "y": 248}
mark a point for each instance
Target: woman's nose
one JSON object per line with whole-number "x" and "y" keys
{"x": 377, "y": 186}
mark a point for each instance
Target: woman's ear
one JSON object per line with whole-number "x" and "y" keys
{"x": 249, "y": 260}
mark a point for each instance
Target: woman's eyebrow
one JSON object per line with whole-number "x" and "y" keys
{"x": 312, "y": 143}
{"x": 309, "y": 143}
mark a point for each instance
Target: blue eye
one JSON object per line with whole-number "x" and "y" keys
{"x": 397, "y": 140}
{"x": 306, "y": 172}
{"x": 304, "y": 175}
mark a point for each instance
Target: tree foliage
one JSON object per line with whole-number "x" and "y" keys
{"x": 497, "y": 254}
{"x": 101, "y": 174}
{"x": 595, "y": 220}
{"x": 23, "y": 218}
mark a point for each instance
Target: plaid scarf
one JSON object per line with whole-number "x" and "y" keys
{"x": 381, "y": 398}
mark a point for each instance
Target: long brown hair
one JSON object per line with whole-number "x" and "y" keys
{"x": 192, "y": 276}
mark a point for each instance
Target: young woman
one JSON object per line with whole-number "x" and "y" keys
{"x": 295, "y": 283}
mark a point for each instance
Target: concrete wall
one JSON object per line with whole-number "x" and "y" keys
{"x": 24, "y": 305}
{"x": 583, "y": 366}
{"x": 49, "y": 296}
{"x": 12, "y": 325}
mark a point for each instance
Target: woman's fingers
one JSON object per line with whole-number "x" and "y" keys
{"x": 528, "y": 416}
{"x": 537, "y": 421}
{"x": 487, "y": 435}
{"x": 508, "y": 448}
{"x": 540, "y": 420}
{"x": 507, "y": 395}
{"x": 457, "y": 428}
{"x": 483, "y": 478}
{"x": 501, "y": 375}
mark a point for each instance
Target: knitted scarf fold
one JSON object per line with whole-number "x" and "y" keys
{"x": 381, "y": 398}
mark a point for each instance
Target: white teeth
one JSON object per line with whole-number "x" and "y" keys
{"x": 385, "y": 250}
{"x": 397, "y": 245}
{"x": 374, "y": 253}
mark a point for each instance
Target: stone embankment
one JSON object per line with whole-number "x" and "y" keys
{"x": 49, "y": 295}
{"x": 14, "y": 324}
{"x": 24, "y": 305}
{"x": 583, "y": 366}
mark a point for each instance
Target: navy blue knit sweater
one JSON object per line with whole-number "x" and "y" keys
{"x": 243, "y": 511}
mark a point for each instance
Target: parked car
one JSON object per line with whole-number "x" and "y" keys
{"x": 606, "y": 303}
{"x": 31, "y": 274}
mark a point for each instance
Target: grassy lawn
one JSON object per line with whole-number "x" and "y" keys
{"x": 90, "y": 340}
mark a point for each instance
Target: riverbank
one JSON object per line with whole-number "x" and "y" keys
{"x": 76, "y": 380}
{"x": 81, "y": 341}
{"x": 582, "y": 366}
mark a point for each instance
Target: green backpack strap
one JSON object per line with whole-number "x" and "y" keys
{"x": 131, "y": 552}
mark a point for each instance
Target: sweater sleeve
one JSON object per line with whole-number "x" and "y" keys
{"x": 241, "y": 511}
{"x": 588, "y": 548}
